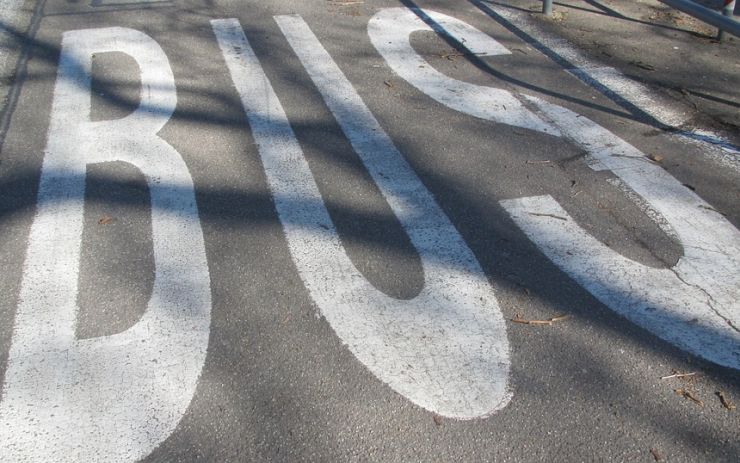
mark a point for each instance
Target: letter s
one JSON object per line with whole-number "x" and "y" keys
{"x": 695, "y": 304}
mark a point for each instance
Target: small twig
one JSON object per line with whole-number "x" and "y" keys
{"x": 451, "y": 56}
{"x": 678, "y": 375}
{"x": 531, "y": 322}
{"x": 639, "y": 158}
{"x": 725, "y": 401}
{"x": 539, "y": 162}
{"x": 549, "y": 321}
{"x": 548, "y": 215}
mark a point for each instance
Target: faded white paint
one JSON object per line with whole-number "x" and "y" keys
{"x": 445, "y": 349}
{"x": 111, "y": 398}
{"x": 695, "y": 304}
{"x": 612, "y": 82}
{"x": 390, "y": 31}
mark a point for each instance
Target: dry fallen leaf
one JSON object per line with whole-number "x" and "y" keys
{"x": 656, "y": 157}
{"x": 437, "y": 419}
{"x": 727, "y": 403}
{"x": 105, "y": 220}
{"x": 657, "y": 455}
{"x": 689, "y": 395}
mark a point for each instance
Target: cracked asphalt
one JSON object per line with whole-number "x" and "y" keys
{"x": 281, "y": 379}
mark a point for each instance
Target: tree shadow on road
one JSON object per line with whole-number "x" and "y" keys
{"x": 263, "y": 380}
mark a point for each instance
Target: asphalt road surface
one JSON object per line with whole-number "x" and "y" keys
{"x": 351, "y": 231}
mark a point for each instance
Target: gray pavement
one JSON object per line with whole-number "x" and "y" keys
{"x": 674, "y": 54}
{"x": 287, "y": 355}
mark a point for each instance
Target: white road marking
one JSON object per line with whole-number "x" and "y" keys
{"x": 111, "y": 398}
{"x": 632, "y": 91}
{"x": 613, "y": 83}
{"x": 390, "y": 30}
{"x": 446, "y": 349}
{"x": 695, "y": 304}
{"x": 645, "y": 207}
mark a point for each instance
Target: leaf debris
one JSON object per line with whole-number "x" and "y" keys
{"x": 105, "y": 220}
{"x": 453, "y": 55}
{"x": 689, "y": 395}
{"x": 518, "y": 319}
{"x": 727, "y": 403}
{"x": 656, "y": 454}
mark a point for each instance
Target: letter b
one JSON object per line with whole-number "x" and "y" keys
{"x": 115, "y": 397}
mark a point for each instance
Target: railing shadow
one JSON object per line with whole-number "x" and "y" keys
{"x": 243, "y": 209}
